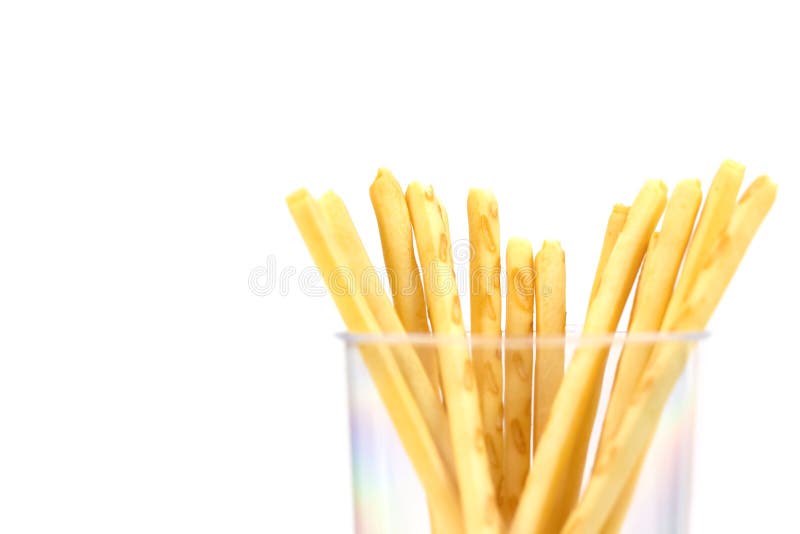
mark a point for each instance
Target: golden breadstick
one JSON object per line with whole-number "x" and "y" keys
{"x": 355, "y": 258}
{"x": 397, "y": 242}
{"x": 720, "y": 203}
{"x": 724, "y": 256}
{"x": 485, "y": 306}
{"x": 657, "y": 279}
{"x": 404, "y": 411}
{"x": 574, "y": 479}
{"x": 614, "y": 227}
{"x": 518, "y": 372}
{"x": 551, "y": 320}
{"x": 651, "y": 246}
{"x": 446, "y": 222}
{"x": 625, "y": 449}
{"x": 436, "y": 528}
{"x": 611, "y": 525}
{"x": 715, "y": 215}
{"x": 554, "y": 480}
{"x": 478, "y": 500}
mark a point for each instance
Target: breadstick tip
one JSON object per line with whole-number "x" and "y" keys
{"x": 762, "y": 182}
{"x": 417, "y": 188}
{"x": 551, "y": 243}
{"x": 657, "y": 184}
{"x": 329, "y": 194}
{"x": 691, "y": 189}
{"x": 385, "y": 177}
{"x": 694, "y": 183}
{"x": 733, "y": 166}
{"x": 298, "y": 196}
{"x": 621, "y": 208}
{"x": 476, "y": 195}
{"x": 383, "y": 171}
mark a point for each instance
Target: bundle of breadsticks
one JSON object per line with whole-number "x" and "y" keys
{"x": 469, "y": 415}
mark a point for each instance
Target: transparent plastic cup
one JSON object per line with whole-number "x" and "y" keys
{"x": 388, "y": 496}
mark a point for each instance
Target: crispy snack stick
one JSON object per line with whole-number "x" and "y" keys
{"x": 404, "y": 411}
{"x": 616, "y": 221}
{"x": 397, "y": 242}
{"x": 436, "y": 527}
{"x": 719, "y": 206}
{"x": 657, "y": 279}
{"x": 611, "y": 525}
{"x": 615, "y": 465}
{"x": 518, "y": 372}
{"x": 716, "y": 214}
{"x": 355, "y": 258}
{"x": 651, "y": 246}
{"x": 478, "y": 499}
{"x": 551, "y": 320}
{"x": 485, "y": 307}
{"x": 554, "y": 480}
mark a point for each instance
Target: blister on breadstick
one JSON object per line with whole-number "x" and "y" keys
{"x": 392, "y": 387}
{"x": 616, "y": 463}
{"x": 485, "y": 309}
{"x": 518, "y": 372}
{"x": 554, "y": 480}
{"x": 478, "y": 497}
{"x": 551, "y": 321}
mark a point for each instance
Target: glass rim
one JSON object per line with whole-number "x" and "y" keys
{"x": 573, "y": 336}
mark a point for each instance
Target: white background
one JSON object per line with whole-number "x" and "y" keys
{"x": 145, "y": 152}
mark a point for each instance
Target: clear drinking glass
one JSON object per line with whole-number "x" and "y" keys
{"x": 388, "y": 497}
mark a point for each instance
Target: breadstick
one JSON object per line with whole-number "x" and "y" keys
{"x": 651, "y": 246}
{"x": 611, "y": 525}
{"x": 518, "y": 372}
{"x": 554, "y": 480}
{"x": 659, "y": 271}
{"x": 716, "y": 213}
{"x": 551, "y": 320}
{"x": 616, "y": 463}
{"x": 477, "y": 492}
{"x": 355, "y": 258}
{"x": 574, "y": 478}
{"x": 446, "y": 222}
{"x": 397, "y": 241}
{"x": 485, "y": 306}
{"x": 404, "y": 411}
{"x": 616, "y": 221}
{"x": 719, "y": 206}
{"x": 658, "y": 276}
